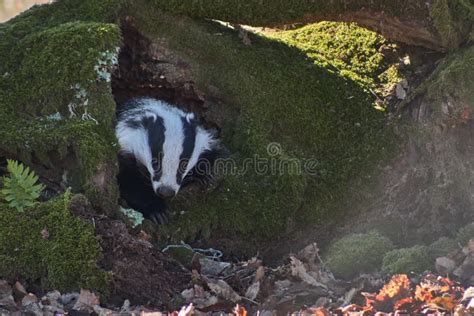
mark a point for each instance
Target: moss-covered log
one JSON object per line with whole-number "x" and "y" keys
{"x": 57, "y": 108}
{"x": 58, "y": 112}
{"x": 437, "y": 24}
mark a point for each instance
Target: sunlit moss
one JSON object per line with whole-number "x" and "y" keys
{"x": 416, "y": 259}
{"x": 357, "y": 253}
{"x": 353, "y": 51}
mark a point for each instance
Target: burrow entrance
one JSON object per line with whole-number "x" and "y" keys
{"x": 150, "y": 69}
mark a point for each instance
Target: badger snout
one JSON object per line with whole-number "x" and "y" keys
{"x": 165, "y": 192}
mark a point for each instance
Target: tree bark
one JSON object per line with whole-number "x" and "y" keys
{"x": 436, "y": 24}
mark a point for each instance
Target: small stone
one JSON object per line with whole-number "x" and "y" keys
{"x": 68, "y": 300}
{"x": 400, "y": 93}
{"x": 445, "y": 265}
{"x": 30, "y": 305}
{"x": 29, "y": 299}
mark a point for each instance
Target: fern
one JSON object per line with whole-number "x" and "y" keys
{"x": 20, "y": 190}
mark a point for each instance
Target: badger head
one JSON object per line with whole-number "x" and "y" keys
{"x": 168, "y": 145}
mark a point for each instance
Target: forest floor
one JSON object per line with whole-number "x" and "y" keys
{"x": 302, "y": 284}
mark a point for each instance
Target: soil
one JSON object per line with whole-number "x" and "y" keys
{"x": 139, "y": 271}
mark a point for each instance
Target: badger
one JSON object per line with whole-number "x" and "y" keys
{"x": 162, "y": 149}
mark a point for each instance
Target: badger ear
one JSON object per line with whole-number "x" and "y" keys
{"x": 204, "y": 171}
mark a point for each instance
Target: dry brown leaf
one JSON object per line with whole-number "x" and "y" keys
{"x": 221, "y": 288}
{"x": 260, "y": 273}
{"x": 253, "y": 290}
{"x": 240, "y": 311}
{"x": 298, "y": 270}
{"x": 396, "y": 289}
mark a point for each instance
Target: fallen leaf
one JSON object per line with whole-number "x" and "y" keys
{"x": 240, "y": 311}
{"x": 221, "y": 288}
{"x": 253, "y": 290}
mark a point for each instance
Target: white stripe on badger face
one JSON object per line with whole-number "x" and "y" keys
{"x": 135, "y": 141}
{"x": 204, "y": 141}
{"x": 172, "y": 150}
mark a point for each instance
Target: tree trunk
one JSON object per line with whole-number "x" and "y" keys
{"x": 436, "y": 24}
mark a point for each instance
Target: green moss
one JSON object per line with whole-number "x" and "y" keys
{"x": 354, "y": 51}
{"x": 49, "y": 245}
{"x": 442, "y": 247}
{"x": 453, "y": 20}
{"x": 55, "y": 107}
{"x": 357, "y": 253}
{"x": 465, "y": 234}
{"x": 45, "y": 66}
{"x": 416, "y": 259}
{"x": 281, "y": 97}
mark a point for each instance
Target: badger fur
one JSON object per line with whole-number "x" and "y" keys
{"x": 162, "y": 149}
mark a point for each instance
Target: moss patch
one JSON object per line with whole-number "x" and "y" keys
{"x": 453, "y": 20}
{"x": 416, "y": 259}
{"x": 54, "y": 103}
{"x": 353, "y": 51}
{"x": 442, "y": 247}
{"x": 49, "y": 245}
{"x": 357, "y": 253}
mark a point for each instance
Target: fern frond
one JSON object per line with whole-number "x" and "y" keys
{"x": 20, "y": 189}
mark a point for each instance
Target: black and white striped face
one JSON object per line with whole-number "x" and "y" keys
{"x": 165, "y": 141}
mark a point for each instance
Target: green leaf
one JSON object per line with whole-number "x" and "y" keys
{"x": 20, "y": 189}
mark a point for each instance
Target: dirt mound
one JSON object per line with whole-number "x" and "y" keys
{"x": 139, "y": 271}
